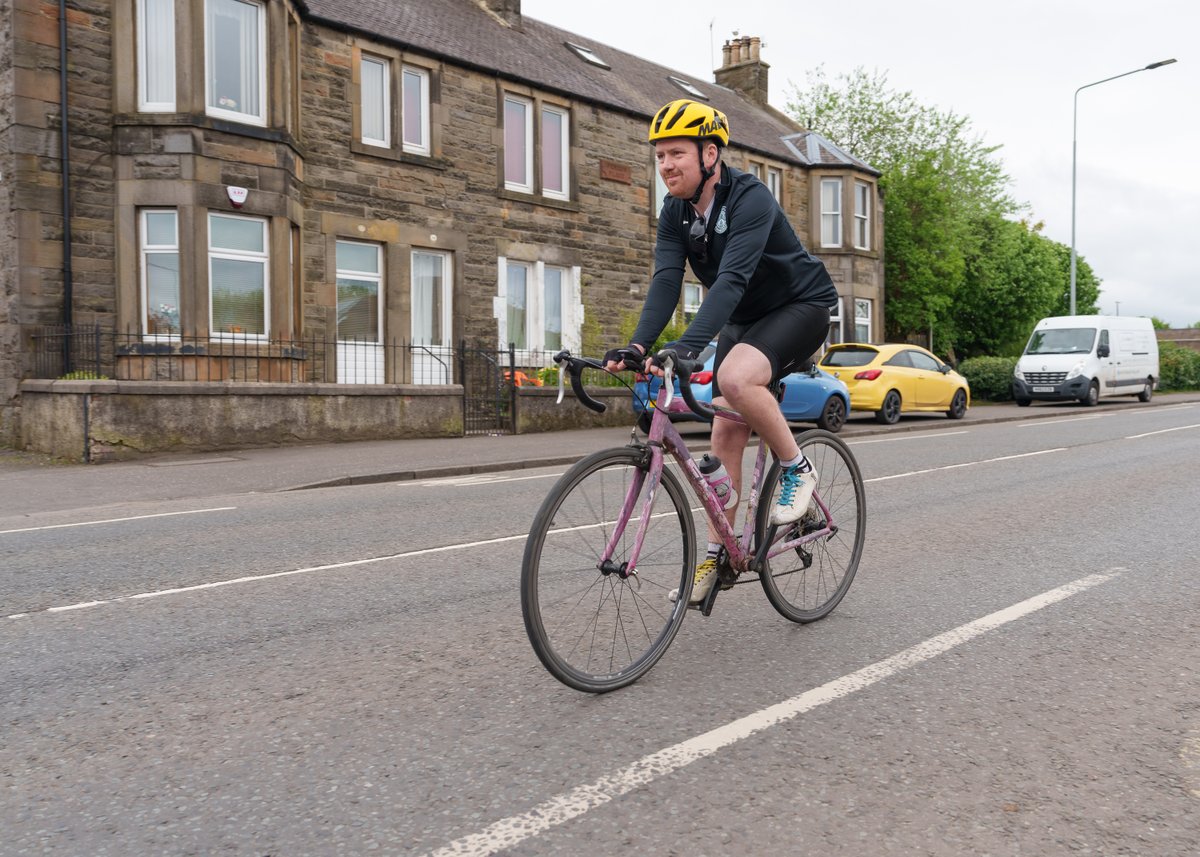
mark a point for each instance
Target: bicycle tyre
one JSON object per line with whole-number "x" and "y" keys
{"x": 805, "y": 584}
{"x": 598, "y": 632}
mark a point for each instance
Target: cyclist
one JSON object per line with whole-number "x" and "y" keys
{"x": 767, "y": 297}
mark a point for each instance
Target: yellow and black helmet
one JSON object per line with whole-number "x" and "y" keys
{"x": 687, "y": 118}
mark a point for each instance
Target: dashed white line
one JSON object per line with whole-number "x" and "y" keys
{"x": 1161, "y": 431}
{"x": 904, "y": 437}
{"x": 508, "y": 832}
{"x": 966, "y": 464}
{"x": 118, "y": 520}
{"x": 1036, "y": 423}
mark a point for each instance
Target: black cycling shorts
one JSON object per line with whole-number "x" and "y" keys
{"x": 788, "y": 337}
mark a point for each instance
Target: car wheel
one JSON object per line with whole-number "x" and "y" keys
{"x": 1147, "y": 391}
{"x": 833, "y": 417}
{"x": 1092, "y": 396}
{"x": 958, "y": 405}
{"x": 889, "y": 414}
{"x": 1024, "y": 403}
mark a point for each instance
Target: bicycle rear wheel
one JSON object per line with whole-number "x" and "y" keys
{"x": 806, "y": 583}
{"x": 597, "y": 631}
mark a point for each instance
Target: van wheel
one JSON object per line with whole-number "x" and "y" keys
{"x": 889, "y": 414}
{"x": 958, "y": 405}
{"x": 1147, "y": 391}
{"x": 1024, "y": 403}
{"x": 1092, "y": 396}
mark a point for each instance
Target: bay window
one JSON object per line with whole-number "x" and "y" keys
{"x": 159, "y": 274}
{"x": 862, "y": 216}
{"x": 831, "y": 212}
{"x": 156, "y": 56}
{"x": 238, "y": 274}
{"x": 235, "y": 60}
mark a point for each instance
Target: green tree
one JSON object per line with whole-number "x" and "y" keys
{"x": 1158, "y": 323}
{"x": 952, "y": 260}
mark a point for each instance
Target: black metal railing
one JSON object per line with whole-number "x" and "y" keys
{"x": 92, "y": 352}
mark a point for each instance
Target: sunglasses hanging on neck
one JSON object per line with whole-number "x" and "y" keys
{"x": 698, "y": 238}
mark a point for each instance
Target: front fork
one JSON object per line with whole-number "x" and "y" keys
{"x": 650, "y": 465}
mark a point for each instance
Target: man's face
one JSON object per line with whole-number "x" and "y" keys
{"x": 678, "y": 162}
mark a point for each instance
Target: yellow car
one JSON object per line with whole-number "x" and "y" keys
{"x": 895, "y": 379}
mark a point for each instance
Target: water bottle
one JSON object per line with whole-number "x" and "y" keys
{"x": 718, "y": 479}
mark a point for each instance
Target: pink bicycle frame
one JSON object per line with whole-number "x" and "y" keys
{"x": 664, "y": 436}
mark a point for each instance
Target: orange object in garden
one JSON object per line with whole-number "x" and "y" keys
{"x": 521, "y": 379}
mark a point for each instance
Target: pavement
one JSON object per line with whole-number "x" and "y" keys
{"x": 32, "y": 484}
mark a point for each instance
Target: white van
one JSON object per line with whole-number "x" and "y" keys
{"x": 1085, "y": 357}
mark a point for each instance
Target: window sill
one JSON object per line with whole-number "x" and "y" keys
{"x": 398, "y": 155}
{"x": 538, "y": 199}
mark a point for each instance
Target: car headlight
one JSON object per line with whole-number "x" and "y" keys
{"x": 1076, "y": 371}
{"x": 1018, "y": 374}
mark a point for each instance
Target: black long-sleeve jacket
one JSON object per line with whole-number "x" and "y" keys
{"x": 755, "y": 263}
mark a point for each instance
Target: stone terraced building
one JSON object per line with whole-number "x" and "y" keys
{"x": 264, "y": 183}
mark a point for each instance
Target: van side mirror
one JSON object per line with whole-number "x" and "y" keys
{"x": 1102, "y": 351}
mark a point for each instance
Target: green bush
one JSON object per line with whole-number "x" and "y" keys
{"x": 82, "y": 375}
{"x": 990, "y": 377}
{"x": 1179, "y": 367}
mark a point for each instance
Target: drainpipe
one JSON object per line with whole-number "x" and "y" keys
{"x": 65, "y": 158}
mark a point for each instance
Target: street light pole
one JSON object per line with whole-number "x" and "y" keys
{"x": 1074, "y": 141}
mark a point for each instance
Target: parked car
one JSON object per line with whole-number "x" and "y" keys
{"x": 809, "y": 395}
{"x": 897, "y": 379}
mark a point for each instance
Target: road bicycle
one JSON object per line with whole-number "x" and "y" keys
{"x": 616, "y": 534}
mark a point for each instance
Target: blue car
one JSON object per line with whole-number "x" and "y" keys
{"x": 810, "y": 395}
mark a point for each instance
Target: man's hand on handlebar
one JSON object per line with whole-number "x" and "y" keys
{"x": 682, "y": 352}
{"x": 631, "y": 357}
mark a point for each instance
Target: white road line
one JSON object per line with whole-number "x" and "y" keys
{"x": 1035, "y": 423}
{"x": 905, "y": 437}
{"x": 1161, "y": 431}
{"x": 477, "y": 479}
{"x": 119, "y": 520}
{"x": 965, "y": 464}
{"x": 159, "y": 593}
{"x": 508, "y": 832}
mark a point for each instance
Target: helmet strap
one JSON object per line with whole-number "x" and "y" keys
{"x": 706, "y": 173}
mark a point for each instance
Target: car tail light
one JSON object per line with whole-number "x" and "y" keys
{"x": 868, "y": 375}
{"x": 704, "y": 377}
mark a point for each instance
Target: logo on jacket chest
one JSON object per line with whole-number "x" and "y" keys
{"x": 722, "y": 223}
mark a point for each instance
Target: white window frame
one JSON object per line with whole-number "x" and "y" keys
{"x": 564, "y": 282}
{"x": 836, "y": 322}
{"x": 146, "y": 251}
{"x": 587, "y": 55}
{"x": 421, "y": 146}
{"x": 155, "y": 55}
{"x": 535, "y": 352}
{"x": 831, "y": 215}
{"x": 527, "y": 106}
{"x": 375, "y": 276}
{"x": 384, "y": 104}
{"x": 755, "y": 169}
{"x": 862, "y": 318}
{"x": 564, "y": 150}
{"x": 775, "y": 183}
{"x": 242, "y": 256}
{"x": 259, "y": 115}
{"x": 693, "y": 296}
{"x": 447, "y": 311}
{"x": 862, "y": 216}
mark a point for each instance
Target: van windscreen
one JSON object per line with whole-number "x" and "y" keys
{"x": 1062, "y": 340}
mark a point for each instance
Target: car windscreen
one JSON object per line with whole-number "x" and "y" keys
{"x": 1062, "y": 340}
{"x": 849, "y": 357}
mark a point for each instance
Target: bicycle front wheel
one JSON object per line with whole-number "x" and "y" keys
{"x": 806, "y": 583}
{"x": 594, "y": 629}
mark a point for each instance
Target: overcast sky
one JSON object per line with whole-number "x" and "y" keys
{"x": 1012, "y": 69}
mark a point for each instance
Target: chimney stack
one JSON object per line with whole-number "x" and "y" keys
{"x": 742, "y": 68}
{"x": 508, "y": 12}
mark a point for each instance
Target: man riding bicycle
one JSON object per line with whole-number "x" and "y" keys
{"x": 767, "y": 297}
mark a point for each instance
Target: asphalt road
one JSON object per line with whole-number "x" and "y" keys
{"x": 344, "y": 670}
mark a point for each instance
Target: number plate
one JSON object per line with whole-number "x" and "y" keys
{"x": 1043, "y": 389}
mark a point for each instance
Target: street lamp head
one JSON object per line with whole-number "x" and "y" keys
{"x": 1159, "y": 64}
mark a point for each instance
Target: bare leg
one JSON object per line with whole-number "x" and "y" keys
{"x": 744, "y": 375}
